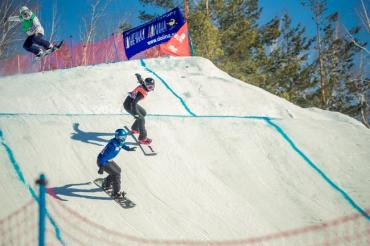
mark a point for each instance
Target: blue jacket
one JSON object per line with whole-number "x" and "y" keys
{"x": 110, "y": 151}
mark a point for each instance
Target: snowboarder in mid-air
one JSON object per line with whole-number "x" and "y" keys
{"x": 106, "y": 164}
{"x": 131, "y": 106}
{"x": 32, "y": 27}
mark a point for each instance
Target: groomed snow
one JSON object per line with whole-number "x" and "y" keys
{"x": 223, "y": 171}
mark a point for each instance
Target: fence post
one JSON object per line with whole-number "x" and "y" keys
{"x": 42, "y": 209}
{"x": 115, "y": 47}
{"x": 19, "y": 66}
{"x": 71, "y": 49}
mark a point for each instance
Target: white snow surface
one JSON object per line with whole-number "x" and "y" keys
{"x": 217, "y": 176}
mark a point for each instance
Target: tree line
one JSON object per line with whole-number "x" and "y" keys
{"x": 329, "y": 70}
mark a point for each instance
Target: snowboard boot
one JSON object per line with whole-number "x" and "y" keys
{"x": 105, "y": 185}
{"x": 135, "y": 131}
{"x": 145, "y": 141}
{"x": 51, "y": 48}
{"x": 118, "y": 195}
{"x": 40, "y": 54}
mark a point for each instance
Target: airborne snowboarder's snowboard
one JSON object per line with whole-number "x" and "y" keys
{"x": 146, "y": 148}
{"x": 50, "y": 51}
{"x": 124, "y": 202}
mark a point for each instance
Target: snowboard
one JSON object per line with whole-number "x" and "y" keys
{"x": 147, "y": 149}
{"x": 123, "y": 202}
{"x": 50, "y": 51}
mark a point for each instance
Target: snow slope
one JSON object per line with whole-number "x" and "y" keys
{"x": 234, "y": 160}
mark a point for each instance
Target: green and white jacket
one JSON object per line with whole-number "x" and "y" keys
{"x": 31, "y": 26}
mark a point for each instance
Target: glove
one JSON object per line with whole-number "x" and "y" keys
{"x": 136, "y": 116}
{"x": 12, "y": 18}
{"x": 132, "y": 149}
{"x": 101, "y": 170}
{"x": 139, "y": 78}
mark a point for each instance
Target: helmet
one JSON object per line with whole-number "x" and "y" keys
{"x": 120, "y": 134}
{"x": 149, "y": 84}
{"x": 25, "y": 13}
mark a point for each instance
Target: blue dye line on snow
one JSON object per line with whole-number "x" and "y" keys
{"x": 23, "y": 180}
{"x": 168, "y": 87}
{"x": 255, "y": 117}
{"x": 291, "y": 143}
{"x": 321, "y": 173}
{"x": 268, "y": 120}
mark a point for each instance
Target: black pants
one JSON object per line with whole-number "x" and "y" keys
{"x": 35, "y": 39}
{"x": 139, "y": 124}
{"x": 114, "y": 176}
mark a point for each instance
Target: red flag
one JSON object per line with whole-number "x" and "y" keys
{"x": 178, "y": 45}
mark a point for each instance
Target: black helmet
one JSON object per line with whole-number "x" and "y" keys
{"x": 149, "y": 84}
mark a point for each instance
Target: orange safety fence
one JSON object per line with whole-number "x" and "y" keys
{"x": 73, "y": 54}
{"x": 20, "y": 228}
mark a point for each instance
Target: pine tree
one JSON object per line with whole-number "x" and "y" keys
{"x": 237, "y": 24}
{"x": 334, "y": 75}
{"x": 164, "y": 4}
{"x": 124, "y": 26}
{"x": 287, "y": 69}
{"x": 346, "y": 88}
{"x": 205, "y": 35}
{"x": 318, "y": 7}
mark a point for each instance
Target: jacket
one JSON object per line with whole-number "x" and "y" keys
{"x": 31, "y": 26}
{"x": 110, "y": 151}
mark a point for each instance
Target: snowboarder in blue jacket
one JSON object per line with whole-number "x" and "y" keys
{"x": 105, "y": 162}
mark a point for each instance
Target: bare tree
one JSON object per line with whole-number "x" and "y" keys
{"x": 364, "y": 16}
{"x": 318, "y": 7}
{"x": 55, "y": 22}
{"x": 186, "y": 9}
{"x": 90, "y": 23}
{"x": 8, "y": 30}
{"x": 360, "y": 88}
{"x": 360, "y": 84}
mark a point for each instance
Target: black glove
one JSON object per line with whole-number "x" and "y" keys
{"x": 139, "y": 78}
{"x": 132, "y": 149}
{"x": 101, "y": 170}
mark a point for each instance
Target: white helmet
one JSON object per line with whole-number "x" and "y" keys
{"x": 25, "y": 12}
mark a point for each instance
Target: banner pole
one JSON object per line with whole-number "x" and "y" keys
{"x": 115, "y": 47}
{"x": 71, "y": 49}
{"x": 191, "y": 44}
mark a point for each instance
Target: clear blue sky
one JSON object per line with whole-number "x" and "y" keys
{"x": 348, "y": 10}
{"x": 72, "y": 11}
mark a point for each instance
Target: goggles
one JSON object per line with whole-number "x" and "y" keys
{"x": 150, "y": 87}
{"x": 121, "y": 138}
{"x": 26, "y": 15}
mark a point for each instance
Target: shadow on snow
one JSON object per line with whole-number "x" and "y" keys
{"x": 76, "y": 190}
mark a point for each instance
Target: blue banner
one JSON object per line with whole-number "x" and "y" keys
{"x": 155, "y": 32}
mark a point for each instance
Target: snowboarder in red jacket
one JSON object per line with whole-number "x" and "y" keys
{"x": 132, "y": 107}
